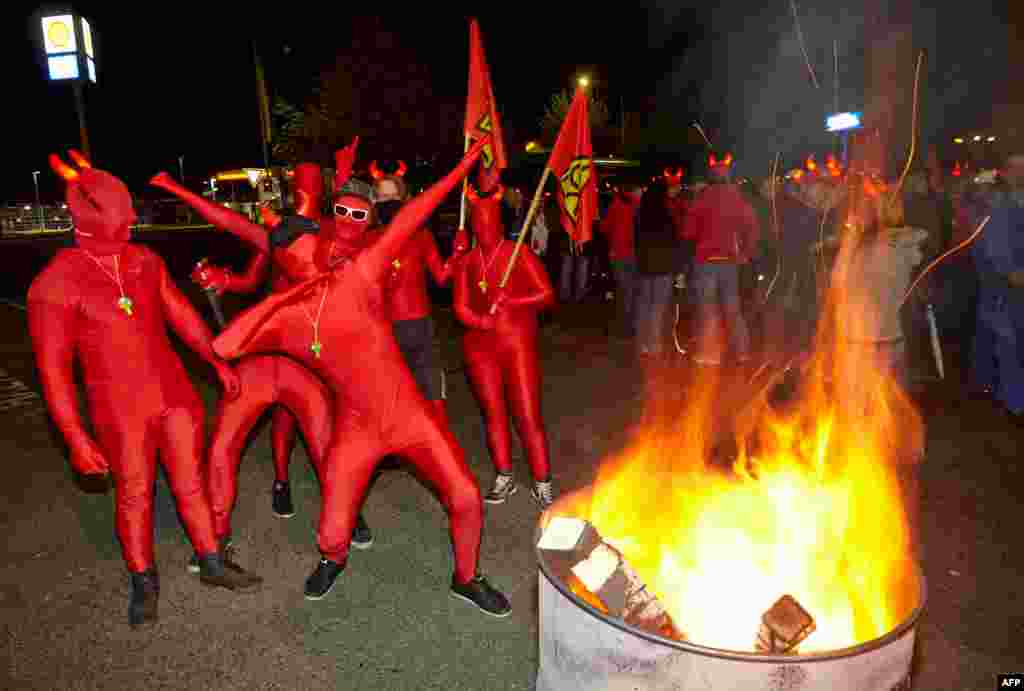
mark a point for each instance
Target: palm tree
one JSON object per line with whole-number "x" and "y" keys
{"x": 558, "y": 108}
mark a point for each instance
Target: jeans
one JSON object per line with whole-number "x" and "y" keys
{"x": 998, "y": 320}
{"x": 718, "y": 300}
{"x": 625, "y": 293}
{"x": 653, "y": 294}
{"x": 574, "y": 266}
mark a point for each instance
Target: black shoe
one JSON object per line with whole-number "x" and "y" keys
{"x": 281, "y": 500}
{"x": 225, "y": 548}
{"x": 142, "y": 608}
{"x": 482, "y": 594}
{"x": 217, "y": 571}
{"x": 322, "y": 579}
{"x": 362, "y": 538}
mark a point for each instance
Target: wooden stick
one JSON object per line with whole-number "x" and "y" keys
{"x": 701, "y": 130}
{"x": 465, "y": 186}
{"x": 537, "y": 196}
{"x": 913, "y": 124}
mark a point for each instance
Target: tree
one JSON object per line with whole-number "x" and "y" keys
{"x": 558, "y": 108}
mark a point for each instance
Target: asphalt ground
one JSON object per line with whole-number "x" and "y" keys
{"x": 390, "y": 623}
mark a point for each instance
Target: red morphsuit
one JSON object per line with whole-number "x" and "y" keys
{"x": 269, "y": 379}
{"x": 308, "y": 189}
{"x": 500, "y": 346}
{"x": 335, "y": 324}
{"x": 109, "y": 302}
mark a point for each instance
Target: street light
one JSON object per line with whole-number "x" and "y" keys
{"x": 71, "y": 57}
{"x": 991, "y": 139}
{"x": 958, "y": 140}
{"x": 583, "y": 81}
{"x": 39, "y": 206}
{"x": 977, "y": 137}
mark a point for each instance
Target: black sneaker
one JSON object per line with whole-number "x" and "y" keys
{"x": 362, "y": 538}
{"x": 142, "y": 608}
{"x": 225, "y": 547}
{"x": 216, "y": 571}
{"x": 281, "y": 500}
{"x": 322, "y": 579}
{"x": 503, "y": 488}
{"x": 482, "y": 594}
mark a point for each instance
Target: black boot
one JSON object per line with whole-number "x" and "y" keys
{"x": 481, "y": 593}
{"x": 142, "y": 608}
{"x": 281, "y": 500}
{"x": 216, "y": 570}
{"x": 322, "y": 579}
{"x": 362, "y": 538}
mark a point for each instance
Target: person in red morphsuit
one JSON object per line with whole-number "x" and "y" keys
{"x": 108, "y": 303}
{"x": 500, "y": 344}
{"x": 273, "y": 379}
{"x": 407, "y": 301}
{"x": 336, "y": 325}
{"x": 308, "y": 189}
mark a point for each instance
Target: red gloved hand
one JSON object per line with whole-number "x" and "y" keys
{"x": 461, "y": 241}
{"x": 269, "y": 217}
{"x": 87, "y": 459}
{"x": 229, "y": 380}
{"x": 162, "y": 180}
{"x": 499, "y": 301}
{"x": 210, "y": 277}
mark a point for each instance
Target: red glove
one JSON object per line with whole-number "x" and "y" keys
{"x": 499, "y": 302}
{"x": 87, "y": 459}
{"x": 461, "y": 241}
{"x": 210, "y": 277}
{"x": 229, "y": 380}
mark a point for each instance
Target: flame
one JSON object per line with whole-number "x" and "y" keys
{"x": 812, "y": 502}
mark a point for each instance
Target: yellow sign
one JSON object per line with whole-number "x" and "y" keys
{"x": 59, "y": 34}
{"x": 572, "y": 182}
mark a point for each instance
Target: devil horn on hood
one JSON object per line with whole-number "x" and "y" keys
{"x": 80, "y": 160}
{"x": 63, "y": 169}
{"x": 401, "y": 169}
{"x": 375, "y": 171}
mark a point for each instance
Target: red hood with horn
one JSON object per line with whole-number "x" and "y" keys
{"x": 100, "y": 205}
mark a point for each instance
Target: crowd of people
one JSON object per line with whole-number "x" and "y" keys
{"x": 342, "y": 345}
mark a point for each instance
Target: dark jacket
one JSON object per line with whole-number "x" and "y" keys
{"x": 657, "y": 245}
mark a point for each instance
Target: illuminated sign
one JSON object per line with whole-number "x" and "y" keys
{"x": 63, "y": 66}
{"x": 59, "y": 34}
{"x": 92, "y": 70}
{"x": 87, "y": 39}
{"x": 842, "y": 121}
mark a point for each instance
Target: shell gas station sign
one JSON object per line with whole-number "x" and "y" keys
{"x": 68, "y": 42}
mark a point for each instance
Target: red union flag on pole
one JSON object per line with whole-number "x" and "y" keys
{"x": 482, "y": 113}
{"x": 572, "y": 161}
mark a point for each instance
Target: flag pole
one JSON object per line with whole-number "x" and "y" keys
{"x": 465, "y": 186}
{"x": 537, "y": 196}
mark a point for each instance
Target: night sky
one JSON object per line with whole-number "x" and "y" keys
{"x": 179, "y": 79}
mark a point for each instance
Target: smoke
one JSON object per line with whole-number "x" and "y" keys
{"x": 749, "y": 83}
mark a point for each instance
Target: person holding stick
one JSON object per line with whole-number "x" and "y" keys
{"x": 500, "y": 343}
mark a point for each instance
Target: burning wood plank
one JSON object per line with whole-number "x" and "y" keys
{"x": 784, "y": 627}
{"x": 604, "y": 572}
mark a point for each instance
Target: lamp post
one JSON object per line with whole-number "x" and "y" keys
{"x": 39, "y": 206}
{"x": 181, "y": 168}
{"x": 70, "y": 57}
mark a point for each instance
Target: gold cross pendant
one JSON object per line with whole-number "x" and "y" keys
{"x": 126, "y": 305}
{"x": 316, "y": 348}
{"x": 483, "y": 285}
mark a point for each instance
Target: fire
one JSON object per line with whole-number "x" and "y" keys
{"x": 811, "y": 503}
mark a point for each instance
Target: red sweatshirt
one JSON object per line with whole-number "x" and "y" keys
{"x": 723, "y": 226}
{"x": 617, "y": 225}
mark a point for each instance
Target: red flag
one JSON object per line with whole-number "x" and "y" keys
{"x": 572, "y": 162}
{"x": 482, "y": 113}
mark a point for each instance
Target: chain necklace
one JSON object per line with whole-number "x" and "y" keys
{"x": 124, "y": 303}
{"x": 486, "y": 266}
{"x": 316, "y": 346}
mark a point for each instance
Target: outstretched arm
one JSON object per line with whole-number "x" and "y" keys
{"x": 440, "y": 270}
{"x": 375, "y": 262}
{"x": 217, "y": 215}
{"x": 52, "y": 326}
{"x": 191, "y": 328}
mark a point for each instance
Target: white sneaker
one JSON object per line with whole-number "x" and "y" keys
{"x": 543, "y": 493}
{"x": 504, "y": 487}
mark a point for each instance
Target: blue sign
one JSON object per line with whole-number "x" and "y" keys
{"x": 842, "y": 121}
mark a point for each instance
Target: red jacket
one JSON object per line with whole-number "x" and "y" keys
{"x": 617, "y": 225}
{"x": 723, "y": 226}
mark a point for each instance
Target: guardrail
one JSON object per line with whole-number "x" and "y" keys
{"x": 143, "y": 228}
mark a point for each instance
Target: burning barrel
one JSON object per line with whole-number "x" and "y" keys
{"x": 600, "y": 640}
